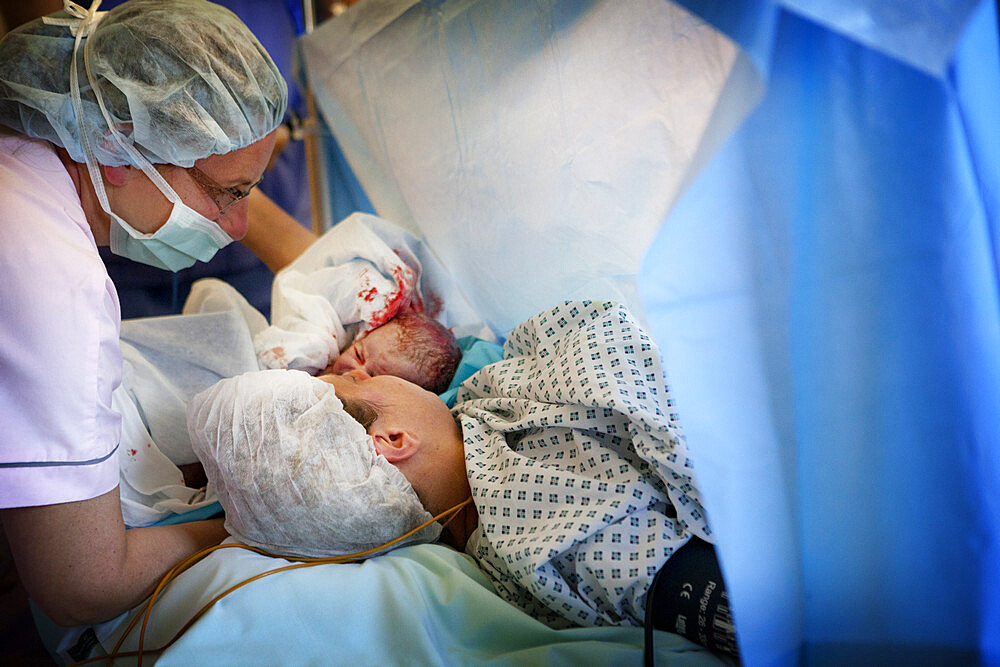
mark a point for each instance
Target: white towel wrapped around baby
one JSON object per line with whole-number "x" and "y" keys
{"x": 355, "y": 278}
{"x": 294, "y": 472}
{"x": 351, "y": 282}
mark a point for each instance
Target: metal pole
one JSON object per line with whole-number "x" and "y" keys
{"x": 311, "y": 138}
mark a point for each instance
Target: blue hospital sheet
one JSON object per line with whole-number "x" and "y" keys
{"x": 425, "y": 604}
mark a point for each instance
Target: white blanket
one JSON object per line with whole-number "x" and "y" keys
{"x": 356, "y": 278}
{"x": 351, "y": 285}
{"x": 166, "y": 361}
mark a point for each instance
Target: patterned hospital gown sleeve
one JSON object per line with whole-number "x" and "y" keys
{"x": 578, "y": 467}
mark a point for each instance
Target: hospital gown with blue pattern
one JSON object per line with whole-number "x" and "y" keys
{"x": 579, "y": 470}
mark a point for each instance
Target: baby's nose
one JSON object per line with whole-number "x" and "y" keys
{"x": 344, "y": 363}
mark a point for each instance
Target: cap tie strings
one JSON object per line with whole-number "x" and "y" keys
{"x": 80, "y": 20}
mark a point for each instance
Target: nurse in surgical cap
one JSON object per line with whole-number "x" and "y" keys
{"x": 143, "y": 128}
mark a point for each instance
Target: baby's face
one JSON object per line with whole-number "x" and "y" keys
{"x": 377, "y": 353}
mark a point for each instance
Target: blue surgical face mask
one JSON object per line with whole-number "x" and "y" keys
{"x": 187, "y": 235}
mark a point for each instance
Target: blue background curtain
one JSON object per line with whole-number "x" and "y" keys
{"x": 826, "y": 295}
{"x": 824, "y": 288}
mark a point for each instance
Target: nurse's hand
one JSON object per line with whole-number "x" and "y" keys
{"x": 80, "y": 565}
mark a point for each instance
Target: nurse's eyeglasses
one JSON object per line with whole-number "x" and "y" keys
{"x": 225, "y": 198}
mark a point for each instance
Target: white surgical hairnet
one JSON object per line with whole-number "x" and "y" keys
{"x": 294, "y": 472}
{"x": 181, "y": 80}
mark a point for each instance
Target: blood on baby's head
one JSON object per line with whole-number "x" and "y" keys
{"x": 430, "y": 347}
{"x": 412, "y": 346}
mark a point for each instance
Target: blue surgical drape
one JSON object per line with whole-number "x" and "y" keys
{"x": 823, "y": 281}
{"x": 826, "y": 294}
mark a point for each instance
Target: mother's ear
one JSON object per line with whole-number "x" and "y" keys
{"x": 116, "y": 175}
{"x": 396, "y": 445}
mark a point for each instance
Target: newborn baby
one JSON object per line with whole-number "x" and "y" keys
{"x": 412, "y": 346}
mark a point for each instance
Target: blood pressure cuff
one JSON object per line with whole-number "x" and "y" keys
{"x": 688, "y": 597}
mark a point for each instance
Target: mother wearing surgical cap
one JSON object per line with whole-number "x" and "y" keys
{"x": 144, "y": 128}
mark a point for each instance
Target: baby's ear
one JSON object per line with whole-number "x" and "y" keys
{"x": 396, "y": 445}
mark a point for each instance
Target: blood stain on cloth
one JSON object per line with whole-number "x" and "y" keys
{"x": 403, "y": 296}
{"x": 274, "y": 358}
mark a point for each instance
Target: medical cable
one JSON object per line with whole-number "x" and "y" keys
{"x": 298, "y": 562}
{"x": 178, "y": 569}
{"x": 648, "y": 647}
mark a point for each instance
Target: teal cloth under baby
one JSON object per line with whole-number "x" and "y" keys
{"x": 476, "y": 353}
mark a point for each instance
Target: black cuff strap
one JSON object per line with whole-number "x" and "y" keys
{"x": 688, "y": 597}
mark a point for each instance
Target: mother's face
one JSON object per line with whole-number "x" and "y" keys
{"x": 416, "y": 432}
{"x": 400, "y": 403}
